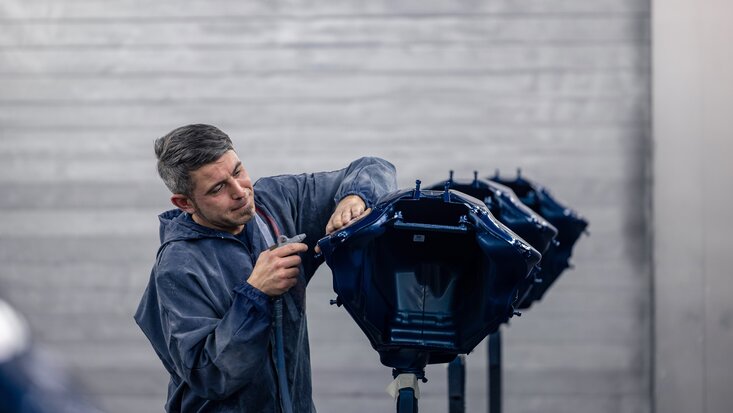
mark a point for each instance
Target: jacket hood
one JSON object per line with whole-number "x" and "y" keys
{"x": 176, "y": 225}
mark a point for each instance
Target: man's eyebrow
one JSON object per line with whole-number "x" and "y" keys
{"x": 214, "y": 185}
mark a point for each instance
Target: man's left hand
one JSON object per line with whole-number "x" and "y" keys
{"x": 348, "y": 210}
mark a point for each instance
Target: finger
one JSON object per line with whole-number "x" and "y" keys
{"x": 333, "y": 225}
{"x": 356, "y": 216}
{"x": 290, "y": 249}
{"x": 290, "y": 261}
{"x": 317, "y": 249}
{"x": 346, "y": 216}
{"x": 291, "y": 283}
{"x": 285, "y": 284}
{"x": 357, "y": 210}
{"x": 337, "y": 220}
{"x": 290, "y": 273}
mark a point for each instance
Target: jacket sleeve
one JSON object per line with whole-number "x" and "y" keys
{"x": 217, "y": 349}
{"x": 310, "y": 199}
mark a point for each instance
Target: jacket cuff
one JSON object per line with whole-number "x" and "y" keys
{"x": 260, "y": 299}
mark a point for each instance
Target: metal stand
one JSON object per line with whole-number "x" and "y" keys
{"x": 405, "y": 389}
{"x": 406, "y": 401}
{"x": 457, "y": 385}
{"x": 494, "y": 348}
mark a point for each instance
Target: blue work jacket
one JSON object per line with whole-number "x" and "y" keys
{"x": 211, "y": 329}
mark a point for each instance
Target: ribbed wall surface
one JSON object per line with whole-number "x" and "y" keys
{"x": 560, "y": 88}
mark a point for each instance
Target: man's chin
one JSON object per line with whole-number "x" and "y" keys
{"x": 245, "y": 215}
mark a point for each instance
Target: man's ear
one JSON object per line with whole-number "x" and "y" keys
{"x": 183, "y": 203}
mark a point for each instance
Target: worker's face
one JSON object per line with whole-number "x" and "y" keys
{"x": 223, "y": 196}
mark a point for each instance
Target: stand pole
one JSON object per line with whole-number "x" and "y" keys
{"x": 405, "y": 388}
{"x": 494, "y": 348}
{"x": 406, "y": 401}
{"x": 457, "y": 385}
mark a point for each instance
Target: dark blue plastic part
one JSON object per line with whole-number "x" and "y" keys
{"x": 570, "y": 225}
{"x": 427, "y": 275}
{"x": 506, "y": 207}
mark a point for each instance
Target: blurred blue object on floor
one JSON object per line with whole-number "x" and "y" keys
{"x": 30, "y": 381}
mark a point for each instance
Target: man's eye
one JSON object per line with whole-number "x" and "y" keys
{"x": 217, "y": 188}
{"x": 237, "y": 172}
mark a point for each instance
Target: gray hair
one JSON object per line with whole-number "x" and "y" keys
{"x": 186, "y": 149}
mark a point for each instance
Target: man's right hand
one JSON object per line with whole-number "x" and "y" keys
{"x": 276, "y": 271}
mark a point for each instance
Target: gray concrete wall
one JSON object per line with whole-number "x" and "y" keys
{"x": 693, "y": 96}
{"x": 560, "y": 88}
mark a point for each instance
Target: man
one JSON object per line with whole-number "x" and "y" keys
{"x": 208, "y": 307}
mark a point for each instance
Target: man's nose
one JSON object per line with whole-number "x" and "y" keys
{"x": 238, "y": 189}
